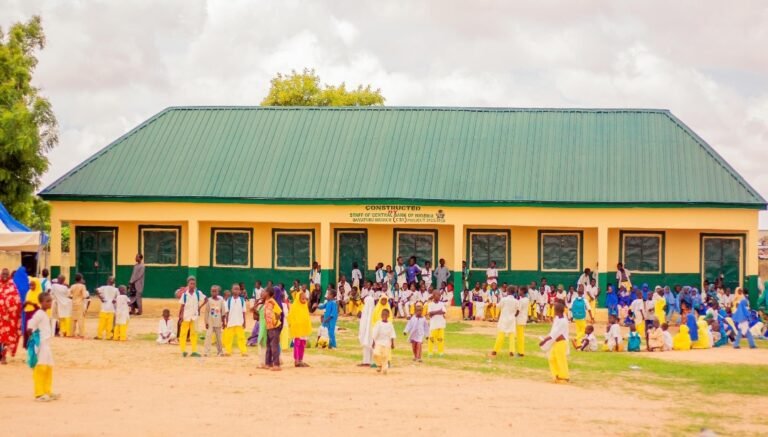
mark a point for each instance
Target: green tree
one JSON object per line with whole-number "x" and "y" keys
{"x": 305, "y": 89}
{"x": 27, "y": 124}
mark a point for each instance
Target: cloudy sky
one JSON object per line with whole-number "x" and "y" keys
{"x": 109, "y": 65}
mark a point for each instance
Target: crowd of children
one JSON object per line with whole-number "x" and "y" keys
{"x": 421, "y": 295}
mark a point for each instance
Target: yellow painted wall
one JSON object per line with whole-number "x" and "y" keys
{"x": 683, "y": 226}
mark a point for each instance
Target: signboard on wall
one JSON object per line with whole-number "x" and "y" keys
{"x": 399, "y": 214}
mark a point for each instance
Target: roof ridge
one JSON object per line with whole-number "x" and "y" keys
{"x": 414, "y": 108}
{"x": 104, "y": 150}
{"x": 719, "y": 160}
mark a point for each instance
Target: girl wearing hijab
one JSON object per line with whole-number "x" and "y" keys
{"x": 612, "y": 301}
{"x": 382, "y": 304}
{"x": 741, "y": 319}
{"x": 365, "y": 332}
{"x": 301, "y": 327}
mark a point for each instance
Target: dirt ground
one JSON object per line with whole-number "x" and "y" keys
{"x": 138, "y": 387}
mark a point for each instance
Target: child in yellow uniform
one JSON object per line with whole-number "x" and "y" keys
{"x": 558, "y": 347}
{"x": 436, "y": 325}
{"x": 507, "y": 325}
{"x": 659, "y": 305}
{"x": 60, "y": 295}
{"x": 522, "y": 319}
{"x": 191, "y": 301}
{"x": 235, "y": 322}
{"x": 122, "y": 314}
{"x": 215, "y": 310}
{"x": 40, "y": 333}
{"x": 107, "y": 294}
{"x": 579, "y": 310}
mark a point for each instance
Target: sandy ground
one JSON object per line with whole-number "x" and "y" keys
{"x": 140, "y": 388}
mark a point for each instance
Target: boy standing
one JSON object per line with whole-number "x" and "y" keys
{"x": 214, "y": 320}
{"x": 558, "y": 360}
{"x": 507, "y": 323}
{"x": 522, "y": 319}
{"x": 60, "y": 292}
{"x": 492, "y": 274}
{"x": 383, "y": 342}
{"x": 579, "y": 310}
{"x": 330, "y": 316}
{"x": 107, "y": 294}
{"x": 436, "y": 324}
{"x": 80, "y": 303}
{"x": 191, "y": 301}
{"x": 40, "y": 344}
{"x": 235, "y": 324}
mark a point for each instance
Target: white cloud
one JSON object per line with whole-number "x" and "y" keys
{"x": 110, "y": 65}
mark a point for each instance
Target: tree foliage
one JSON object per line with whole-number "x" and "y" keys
{"x": 305, "y": 89}
{"x": 27, "y": 123}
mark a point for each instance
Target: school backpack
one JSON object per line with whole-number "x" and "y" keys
{"x": 33, "y": 344}
{"x": 633, "y": 343}
{"x": 579, "y": 309}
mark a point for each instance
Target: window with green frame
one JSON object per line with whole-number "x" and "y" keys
{"x": 560, "y": 251}
{"x": 642, "y": 253}
{"x": 293, "y": 249}
{"x": 232, "y": 248}
{"x": 486, "y": 247}
{"x": 160, "y": 246}
{"x": 418, "y": 244}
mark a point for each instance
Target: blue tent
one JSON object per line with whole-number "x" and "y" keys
{"x": 15, "y": 237}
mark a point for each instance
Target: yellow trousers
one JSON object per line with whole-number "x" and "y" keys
{"x": 640, "y": 326}
{"x": 662, "y": 318}
{"x": 500, "y": 337}
{"x": 491, "y": 312}
{"x": 188, "y": 327}
{"x": 65, "y": 326}
{"x": 436, "y": 340}
{"x": 120, "y": 332}
{"x": 237, "y": 334}
{"x": 558, "y": 362}
{"x": 581, "y": 327}
{"x": 521, "y": 339}
{"x": 78, "y": 321}
{"x": 42, "y": 375}
{"x": 382, "y": 355}
{"x": 105, "y": 325}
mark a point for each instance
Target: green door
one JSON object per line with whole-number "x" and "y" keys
{"x": 95, "y": 255}
{"x": 351, "y": 247}
{"x": 722, "y": 256}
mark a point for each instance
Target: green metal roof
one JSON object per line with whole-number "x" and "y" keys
{"x": 608, "y": 157}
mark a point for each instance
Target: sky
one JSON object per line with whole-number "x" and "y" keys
{"x": 109, "y": 65}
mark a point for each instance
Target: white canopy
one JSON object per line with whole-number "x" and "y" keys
{"x": 15, "y": 237}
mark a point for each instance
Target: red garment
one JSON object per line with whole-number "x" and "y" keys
{"x": 10, "y": 315}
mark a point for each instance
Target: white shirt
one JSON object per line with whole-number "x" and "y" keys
{"x": 356, "y": 275}
{"x": 492, "y": 272}
{"x": 618, "y": 275}
{"x": 191, "y": 304}
{"x": 40, "y": 321}
{"x": 592, "y": 346}
{"x": 343, "y": 287}
{"x": 165, "y": 328}
{"x": 559, "y": 327}
{"x": 426, "y": 276}
{"x": 383, "y": 333}
{"x": 508, "y": 307}
{"x": 122, "y": 310}
{"x": 235, "y": 310}
{"x": 614, "y": 333}
{"x": 108, "y": 293}
{"x": 60, "y": 293}
{"x": 584, "y": 280}
{"x": 522, "y": 304}
{"x": 667, "y": 340}
{"x": 400, "y": 274}
{"x": 436, "y": 321}
{"x": 638, "y": 309}
{"x": 590, "y": 291}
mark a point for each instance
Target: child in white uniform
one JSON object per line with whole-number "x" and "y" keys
{"x": 613, "y": 335}
{"x": 122, "y": 314}
{"x": 166, "y": 329}
{"x": 383, "y": 342}
{"x": 42, "y": 374}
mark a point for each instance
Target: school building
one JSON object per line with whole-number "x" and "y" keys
{"x": 233, "y": 194}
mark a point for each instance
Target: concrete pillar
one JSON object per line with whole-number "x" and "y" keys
{"x": 193, "y": 244}
{"x": 458, "y": 257}
{"x": 602, "y": 263}
{"x": 55, "y": 245}
{"x": 326, "y": 255}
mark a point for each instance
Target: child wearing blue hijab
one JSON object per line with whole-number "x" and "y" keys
{"x": 741, "y": 319}
{"x": 612, "y": 301}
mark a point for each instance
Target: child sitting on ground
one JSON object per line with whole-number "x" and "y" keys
{"x": 633, "y": 341}
{"x": 656, "y": 338}
{"x": 588, "y": 342}
{"x": 416, "y": 329}
{"x": 613, "y": 338}
{"x": 667, "y": 337}
{"x": 166, "y": 329}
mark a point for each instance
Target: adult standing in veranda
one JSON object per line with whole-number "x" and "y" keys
{"x": 137, "y": 285}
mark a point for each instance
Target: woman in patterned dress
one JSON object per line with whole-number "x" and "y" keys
{"x": 10, "y": 316}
